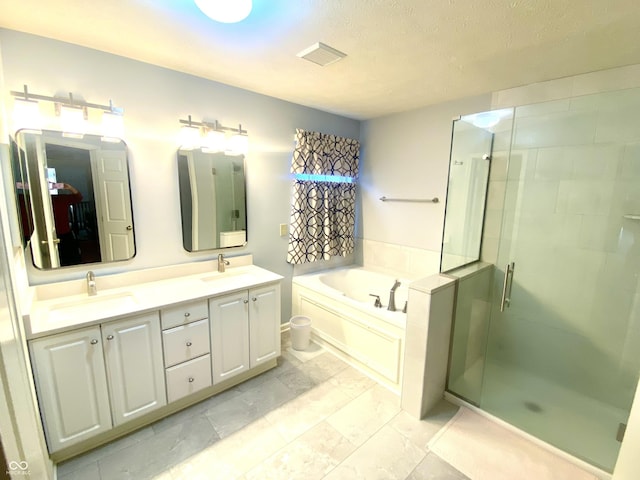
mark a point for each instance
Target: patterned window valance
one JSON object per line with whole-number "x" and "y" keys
{"x": 322, "y": 211}
{"x": 323, "y": 154}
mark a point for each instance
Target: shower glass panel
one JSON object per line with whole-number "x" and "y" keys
{"x": 466, "y": 193}
{"x": 562, "y": 357}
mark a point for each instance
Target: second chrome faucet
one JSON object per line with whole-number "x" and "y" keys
{"x": 222, "y": 263}
{"x": 92, "y": 289}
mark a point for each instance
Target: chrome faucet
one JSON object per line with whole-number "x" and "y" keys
{"x": 392, "y": 297}
{"x": 221, "y": 263}
{"x": 92, "y": 289}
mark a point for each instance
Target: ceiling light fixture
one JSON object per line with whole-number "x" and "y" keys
{"x": 225, "y": 11}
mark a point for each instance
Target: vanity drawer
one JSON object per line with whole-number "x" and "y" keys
{"x": 184, "y": 313}
{"x": 188, "y": 377}
{"x": 185, "y": 342}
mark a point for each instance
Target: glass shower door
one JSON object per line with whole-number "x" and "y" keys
{"x": 562, "y": 357}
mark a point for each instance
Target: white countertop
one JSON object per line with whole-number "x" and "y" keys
{"x": 52, "y": 311}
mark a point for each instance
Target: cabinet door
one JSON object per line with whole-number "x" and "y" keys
{"x": 72, "y": 386}
{"x": 133, "y": 356}
{"x": 264, "y": 324}
{"x": 229, "y": 335}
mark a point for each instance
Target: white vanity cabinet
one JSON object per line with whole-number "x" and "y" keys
{"x": 72, "y": 386}
{"x": 245, "y": 330}
{"x": 133, "y": 356}
{"x": 264, "y": 324}
{"x": 107, "y": 364}
{"x": 94, "y": 378}
{"x": 229, "y": 316}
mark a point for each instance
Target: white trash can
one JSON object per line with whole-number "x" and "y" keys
{"x": 300, "y": 332}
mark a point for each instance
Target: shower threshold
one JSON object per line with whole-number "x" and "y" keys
{"x": 571, "y": 425}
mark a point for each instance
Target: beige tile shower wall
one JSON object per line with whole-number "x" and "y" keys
{"x": 586, "y": 84}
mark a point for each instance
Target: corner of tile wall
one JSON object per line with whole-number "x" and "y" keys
{"x": 399, "y": 260}
{"x": 584, "y": 84}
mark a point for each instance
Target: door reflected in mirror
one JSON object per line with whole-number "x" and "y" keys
{"x": 73, "y": 198}
{"x": 212, "y": 200}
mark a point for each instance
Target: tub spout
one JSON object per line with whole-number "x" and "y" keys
{"x": 392, "y": 297}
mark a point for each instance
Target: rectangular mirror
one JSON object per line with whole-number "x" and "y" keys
{"x": 73, "y": 198}
{"x": 212, "y": 200}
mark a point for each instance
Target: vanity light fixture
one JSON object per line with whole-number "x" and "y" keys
{"x": 73, "y": 114}
{"x": 225, "y": 11}
{"x": 212, "y": 138}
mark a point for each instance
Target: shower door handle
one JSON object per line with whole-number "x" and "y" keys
{"x": 507, "y": 285}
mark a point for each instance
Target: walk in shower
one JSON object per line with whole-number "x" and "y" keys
{"x": 546, "y": 334}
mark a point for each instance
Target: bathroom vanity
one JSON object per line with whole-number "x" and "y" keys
{"x": 148, "y": 344}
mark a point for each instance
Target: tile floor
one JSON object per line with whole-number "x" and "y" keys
{"x": 311, "y": 417}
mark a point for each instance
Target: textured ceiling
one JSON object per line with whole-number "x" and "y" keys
{"x": 401, "y": 54}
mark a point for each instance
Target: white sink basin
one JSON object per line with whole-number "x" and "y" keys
{"x": 240, "y": 276}
{"x": 108, "y": 304}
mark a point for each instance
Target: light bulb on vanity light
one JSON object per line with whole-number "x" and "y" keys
{"x": 112, "y": 126}
{"x": 73, "y": 121}
{"x": 189, "y": 137}
{"x": 26, "y": 115}
{"x": 238, "y": 144}
{"x": 213, "y": 141}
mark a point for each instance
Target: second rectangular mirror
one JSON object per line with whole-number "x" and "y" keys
{"x": 212, "y": 200}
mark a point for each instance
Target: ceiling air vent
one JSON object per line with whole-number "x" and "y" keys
{"x": 321, "y": 54}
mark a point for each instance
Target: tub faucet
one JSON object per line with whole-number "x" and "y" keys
{"x": 392, "y": 297}
{"x": 221, "y": 263}
{"x": 92, "y": 289}
{"x": 377, "y": 303}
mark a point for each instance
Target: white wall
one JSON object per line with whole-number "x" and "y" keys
{"x": 154, "y": 99}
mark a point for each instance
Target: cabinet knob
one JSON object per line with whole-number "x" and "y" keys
{"x": 254, "y": 299}
{"x": 191, "y": 379}
{"x": 94, "y": 341}
{"x": 109, "y": 337}
{"x": 187, "y": 314}
{"x": 246, "y": 301}
{"x": 189, "y": 344}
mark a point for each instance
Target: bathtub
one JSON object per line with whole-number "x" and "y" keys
{"x": 345, "y": 320}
